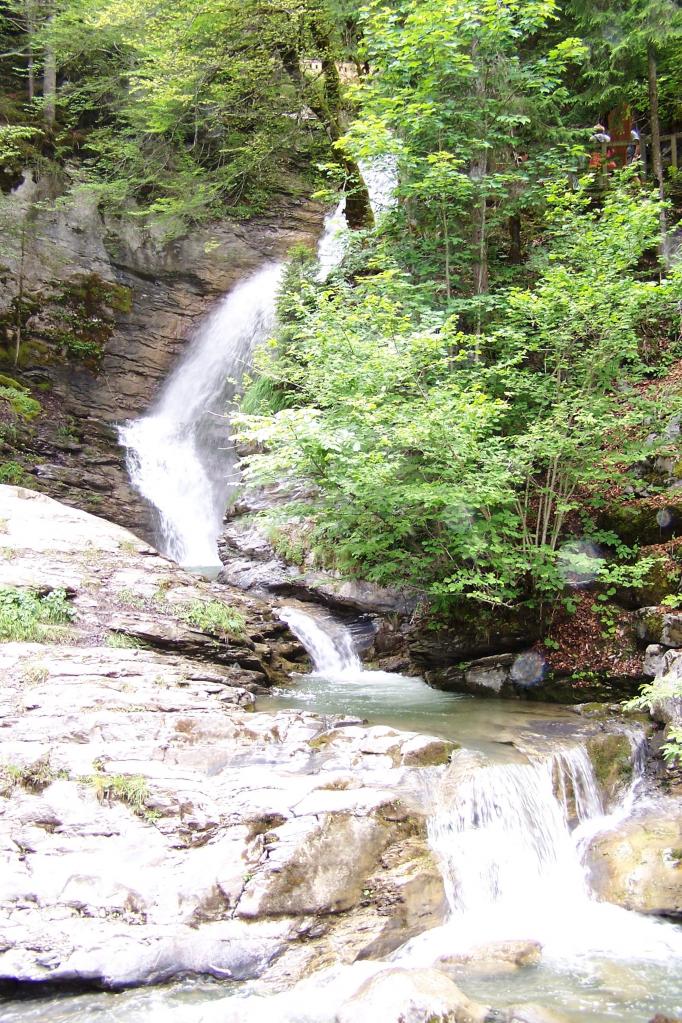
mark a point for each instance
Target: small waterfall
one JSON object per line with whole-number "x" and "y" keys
{"x": 510, "y": 838}
{"x": 329, "y": 643}
{"x": 502, "y": 834}
{"x": 179, "y": 455}
{"x": 381, "y": 179}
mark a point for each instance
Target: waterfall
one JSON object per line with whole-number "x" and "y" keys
{"x": 509, "y": 839}
{"x": 502, "y": 833}
{"x": 329, "y": 643}
{"x": 179, "y": 455}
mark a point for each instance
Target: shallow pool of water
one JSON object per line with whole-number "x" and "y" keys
{"x": 491, "y": 726}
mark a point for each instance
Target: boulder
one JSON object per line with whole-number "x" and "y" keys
{"x": 638, "y": 864}
{"x": 493, "y": 958}
{"x": 410, "y": 996}
{"x": 473, "y": 636}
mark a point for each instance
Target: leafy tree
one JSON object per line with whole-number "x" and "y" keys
{"x": 468, "y": 100}
{"x": 459, "y": 474}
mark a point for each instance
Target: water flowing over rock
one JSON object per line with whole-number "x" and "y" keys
{"x": 171, "y": 830}
{"x": 180, "y": 456}
{"x": 330, "y": 648}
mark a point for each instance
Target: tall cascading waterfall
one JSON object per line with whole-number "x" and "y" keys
{"x": 179, "y": 455}
{"x": 329, "y": 644}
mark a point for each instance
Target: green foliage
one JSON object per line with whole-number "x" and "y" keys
{"x": 26, "y": 616}
{"x": 20, "y": 401}
{"x": 449, "y": 460}
{"x": 34, "y": 777}
{"x": 215, "y": 617}
{"x": 666, "y": 687}
{"x": 119, "y": 641}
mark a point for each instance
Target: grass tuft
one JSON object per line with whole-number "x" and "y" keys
{"x": 215, "y": 617}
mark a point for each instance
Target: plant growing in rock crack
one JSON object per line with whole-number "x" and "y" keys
{"x": 34, "y": 777}
{"x": 33, "y": 673}
{"x": 215, "y": 617}
{"x": 129, "y": 598}
{"x": 121, "y": 641}
{"x": 131, "y": 789}
{"x": 26, "y": 616}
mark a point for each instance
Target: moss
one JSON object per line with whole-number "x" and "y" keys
{"x": 663, "y": 579}
{"x": 638, "y": 523}
{"x": 77, "y": 322}
{"x": 652, "y": 626}
{"x": 611, "y": 758}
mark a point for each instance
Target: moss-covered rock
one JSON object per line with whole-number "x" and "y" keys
{"x": 661, "y": 580}
{"x": 611, "y": 757}
{"x": 646, "y": 522}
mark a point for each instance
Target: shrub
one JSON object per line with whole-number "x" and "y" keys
{"x": 666, "y": 687}
{"x": 26, "y": 616}
{"x": 34, "y": 777}
{"x": 131, "y": 789}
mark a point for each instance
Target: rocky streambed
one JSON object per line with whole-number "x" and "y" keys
{"x": 153, "y": 827}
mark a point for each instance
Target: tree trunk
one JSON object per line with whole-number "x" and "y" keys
{"x": 656, "y": 156}
{"x": 30, "y": 31}
{"x": 515, "y": 255}
{"x": 480, "y": 233}
{"x": 50, "y": 86}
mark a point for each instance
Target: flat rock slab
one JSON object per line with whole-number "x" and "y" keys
{"x": 150, "y": 823}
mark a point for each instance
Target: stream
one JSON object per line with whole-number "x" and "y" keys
{"x": 509, "y": 822}
{"x": 509, "y": 819}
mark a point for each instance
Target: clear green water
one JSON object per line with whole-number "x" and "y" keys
{"x": 491, "y": 726}
{"x": 589, "y": 988}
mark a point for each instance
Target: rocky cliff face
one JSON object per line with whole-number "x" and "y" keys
{"x": 104, "y": 309}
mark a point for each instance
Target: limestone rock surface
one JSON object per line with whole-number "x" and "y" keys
{"x": 151, "y": 824}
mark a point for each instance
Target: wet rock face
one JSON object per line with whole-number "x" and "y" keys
{"x": 638, "y": 864}
{"x": 410, "y": 996}
{"x": 161, "y": 290}
{"x": 150, "y": 823}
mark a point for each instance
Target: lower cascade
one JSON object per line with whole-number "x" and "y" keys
{"x": 329, "y": 644}
{"x": 179, "y": 455}
{"x": 511, "y": 838}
